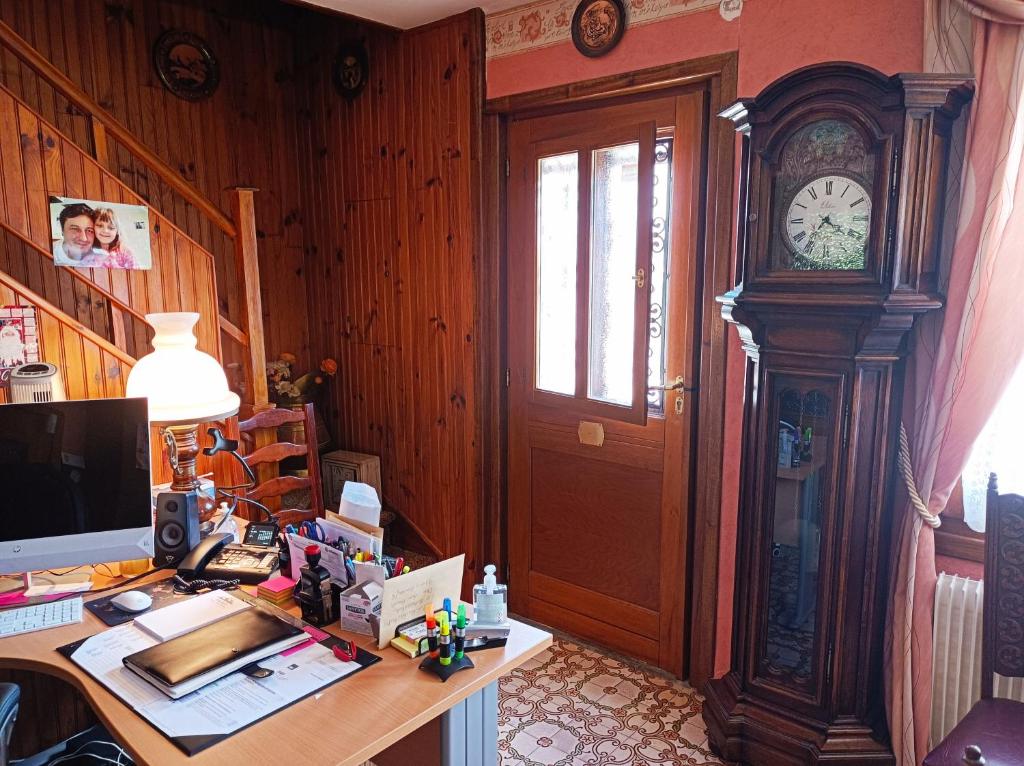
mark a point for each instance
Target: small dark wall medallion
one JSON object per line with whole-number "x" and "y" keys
{"x": 350, "y": 70}
{"x": 186, "y": 65}
{"x": 597, "y": 26}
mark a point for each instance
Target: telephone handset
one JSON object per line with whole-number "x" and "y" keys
{"x": 195, "y": 562}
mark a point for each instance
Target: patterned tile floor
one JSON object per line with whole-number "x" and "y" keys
{"x": 575, "y": 704}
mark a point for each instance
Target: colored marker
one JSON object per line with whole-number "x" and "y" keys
{"x": 397, "y": 569}
{"x": 448, "y": 607}
{"x": 431, "y": 630}
{"x": 460, "y": 633}
{"x": 446, "y": 643}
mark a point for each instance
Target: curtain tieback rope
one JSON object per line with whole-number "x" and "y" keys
{"x": 903, "y": 459}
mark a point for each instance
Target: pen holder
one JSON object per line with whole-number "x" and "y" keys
{"x": 444, "y": 672}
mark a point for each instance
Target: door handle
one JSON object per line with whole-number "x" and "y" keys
{"x": 640, "y": 278}
{"x": 677, "y": 385}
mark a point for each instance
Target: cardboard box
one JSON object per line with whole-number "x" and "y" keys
{"x": 360, "y": 608}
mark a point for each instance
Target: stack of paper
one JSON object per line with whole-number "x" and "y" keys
{"x": 193, "y": 613}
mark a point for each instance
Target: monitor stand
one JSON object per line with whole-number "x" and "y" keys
{"x": 63, "y": 580}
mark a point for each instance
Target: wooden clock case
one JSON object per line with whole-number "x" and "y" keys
{"x": 826, "y": 348}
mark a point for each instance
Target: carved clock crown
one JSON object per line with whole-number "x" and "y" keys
{"x": 841, "y": 165}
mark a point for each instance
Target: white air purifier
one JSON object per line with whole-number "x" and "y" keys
{"x": 36, "y": 382}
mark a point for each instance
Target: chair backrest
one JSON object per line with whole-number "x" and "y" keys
{"x": 10, "y": 697}
{"x": 1002, "y": 646}
{"x": 259, "y": 442}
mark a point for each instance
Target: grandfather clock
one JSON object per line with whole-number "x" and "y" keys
{"x": 842, "y": 200}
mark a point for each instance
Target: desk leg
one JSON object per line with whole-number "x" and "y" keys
{"x": 469, "y": 731}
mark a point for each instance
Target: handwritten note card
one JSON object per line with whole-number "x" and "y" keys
{"x": 407, "y": 596}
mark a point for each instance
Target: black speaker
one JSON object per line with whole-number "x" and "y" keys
{"x": 177, "y": 526}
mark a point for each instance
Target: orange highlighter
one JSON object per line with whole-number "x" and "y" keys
{"x": 431, "y": 630}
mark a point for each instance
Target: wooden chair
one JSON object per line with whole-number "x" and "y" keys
{"x": 259, "y": 445}
{"x": 992, "y": 732}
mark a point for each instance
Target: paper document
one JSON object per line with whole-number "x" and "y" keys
{"x": 178, "y": 619}
{"x": 219, "y": 708}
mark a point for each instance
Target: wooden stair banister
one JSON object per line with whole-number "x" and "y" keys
{"x": 248, "y": 269}
{"x": 44, "y": 305}
{"x": 111, "y": 127}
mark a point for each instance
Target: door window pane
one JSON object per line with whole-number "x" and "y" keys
{"x": 556, "y": 273}
{"x": 612, "y": 267}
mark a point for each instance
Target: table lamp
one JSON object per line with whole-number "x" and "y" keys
{"x": 185, "y": 387}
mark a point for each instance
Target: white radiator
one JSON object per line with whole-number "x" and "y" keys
{"x": 956, "y": 668}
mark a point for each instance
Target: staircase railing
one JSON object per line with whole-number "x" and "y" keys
{"x": 240, "y": 227}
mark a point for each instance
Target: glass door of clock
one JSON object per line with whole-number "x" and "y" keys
{"x": 602, "y": 231}
{"x": 804, "y": 442}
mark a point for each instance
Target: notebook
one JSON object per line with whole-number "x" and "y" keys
{"x": 189, "y": 662}
{"x": 178, "y": 619}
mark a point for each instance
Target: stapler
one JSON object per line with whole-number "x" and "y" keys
{"x": 483, "y": 636}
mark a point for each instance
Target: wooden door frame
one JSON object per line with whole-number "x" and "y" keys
{"x": 719, "y": 72}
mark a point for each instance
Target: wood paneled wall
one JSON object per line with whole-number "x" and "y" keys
{"x": 36, "y": 162}
{"x": 243, "y": 136}
{"x": 390, "y": 227}
{"x": 366, "y": 209}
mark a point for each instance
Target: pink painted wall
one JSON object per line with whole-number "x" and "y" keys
{"x": 773, "y": 37}
{"x": 973, "y": 569}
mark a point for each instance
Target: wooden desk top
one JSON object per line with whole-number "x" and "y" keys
{"x": 345, "y": 724}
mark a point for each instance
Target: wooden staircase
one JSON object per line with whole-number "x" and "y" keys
{"x": 37, "y": 162}
{"x": 92, "y": 321}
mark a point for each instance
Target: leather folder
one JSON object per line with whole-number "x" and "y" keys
{"x": 186, "y": 663}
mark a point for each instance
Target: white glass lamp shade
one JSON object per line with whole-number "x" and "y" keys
{"x": 183, "y": 384}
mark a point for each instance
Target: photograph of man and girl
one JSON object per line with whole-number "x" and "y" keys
{"x": 100, "y": 235}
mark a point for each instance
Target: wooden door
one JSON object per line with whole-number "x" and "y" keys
{"x": 603, "y": 226}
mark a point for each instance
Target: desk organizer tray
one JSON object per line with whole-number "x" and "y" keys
{"x": 194, "y": 723}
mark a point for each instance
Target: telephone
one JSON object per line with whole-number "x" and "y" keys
{"x": 197, "y": 559}
{"x": 217, "y": 558}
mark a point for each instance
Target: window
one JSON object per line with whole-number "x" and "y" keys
{"x": 997, "y": 450}
{"x": 602, "y": 212}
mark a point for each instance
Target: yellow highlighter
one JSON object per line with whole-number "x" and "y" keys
{"x": 445, "y": 644}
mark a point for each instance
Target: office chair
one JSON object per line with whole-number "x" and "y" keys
{"x": 92, "y": 746}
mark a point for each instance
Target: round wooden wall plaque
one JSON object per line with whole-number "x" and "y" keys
{"x": 597, "y": 26}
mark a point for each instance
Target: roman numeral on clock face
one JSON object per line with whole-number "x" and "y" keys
{"x": 828, "y": 187}
{"x": 814, "y": 194}
{"x": 799, "y": 236}
{"x": 856, "y": 202}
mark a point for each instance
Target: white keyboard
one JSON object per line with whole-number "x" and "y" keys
{"x": 40, "y": 616}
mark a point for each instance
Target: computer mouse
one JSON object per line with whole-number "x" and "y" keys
{"x": 132, "y": 601}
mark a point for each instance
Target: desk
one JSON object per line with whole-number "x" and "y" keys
{"x": 352, "y": 721}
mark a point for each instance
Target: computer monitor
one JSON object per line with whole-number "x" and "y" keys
{"x": 74, "y": 484}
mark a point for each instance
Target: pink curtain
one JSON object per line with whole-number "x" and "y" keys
{"x": 964, "y": 355}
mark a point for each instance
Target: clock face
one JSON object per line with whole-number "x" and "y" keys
{"x": 827, "y": 224}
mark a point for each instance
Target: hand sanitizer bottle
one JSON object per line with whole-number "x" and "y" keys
{"x": 490, "y": 600}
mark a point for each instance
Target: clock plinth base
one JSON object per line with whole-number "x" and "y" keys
{"x": 742, "y": 731}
